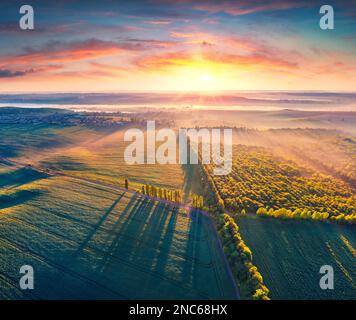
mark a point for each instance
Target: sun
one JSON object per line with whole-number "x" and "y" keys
{"x": 206, "y": 77}
{"x": 196, "y": 77}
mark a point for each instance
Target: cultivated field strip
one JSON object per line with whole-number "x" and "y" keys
{"x": 11, "y": 289}
{"x": 290, "y": 254}
{"x": 85, "y": 242}
{"x": 102, "y": 160}
{"x": 52, "y": 276}
{"x": 95, "y": 254}
{"x": 59, "y": 195}
{"x": 63, "y": 244}
{"x": 80, "y": 205}
{"x": 78, "y": 231}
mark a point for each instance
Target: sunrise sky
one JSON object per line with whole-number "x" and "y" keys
{"x": 180, "y": 45}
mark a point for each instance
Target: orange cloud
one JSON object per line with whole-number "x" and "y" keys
{"x": 232, "y": 42}
{"x": 161, "y": 62}
{"x": 56, "y": 52}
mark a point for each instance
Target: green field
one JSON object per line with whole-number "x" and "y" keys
{"x": 88, "y": 152}
{"x": 86, "y": 241}
{"x": 289, "y": 255}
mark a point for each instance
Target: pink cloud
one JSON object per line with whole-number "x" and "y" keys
{"x": 158, "y": 22}
{"x": 181, "y": 59}
{"x": 238, "y": 8}
{"x": 57, "y": 52}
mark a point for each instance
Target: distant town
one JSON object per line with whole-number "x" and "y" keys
{"x": 12, "y": 115}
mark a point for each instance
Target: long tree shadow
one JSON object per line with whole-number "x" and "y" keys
{"x": 140, "y": 243}
{"x": 98, "y": 225}
{"x": 132, "y": 226}
{"x": 19, "y": 177}
{"x": 188, "y": 177}
{"x": 191, "y": 246}
{"x": 8, "y": 151}
{"x": 6, "y": 162}
{"x": 192, "y": 180}
{"x": 151, "y": 228}
{"x": 141, "y": 218}
{"x": 167, "y": 240}
{"x": 65, "y": 163}
{"x": 115, "y": 228}
{"x": 18, "y": 197}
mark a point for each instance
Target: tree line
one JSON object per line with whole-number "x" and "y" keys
{"x": 198, "y": 201}
{"x": 239, "y": 256}
{"x": 162, "y": 193}
{"x": 305, "y": 214}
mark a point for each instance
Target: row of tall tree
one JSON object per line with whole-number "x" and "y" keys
{"x": 166, "y": 194}
{"x": 239, "y": 256}
{"x": 343, "y": 218}
{"x": 305, "y": 214}
{"x": 162, "y": 193}
{"x": 198, "y": 201}
{"x": 237, "y": 252}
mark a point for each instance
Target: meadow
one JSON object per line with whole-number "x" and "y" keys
{"x": 289, "y": 255}
{"x": 104, "y": 243}
{"x": 84, "y": 151}
{"x": 86, "y": 241}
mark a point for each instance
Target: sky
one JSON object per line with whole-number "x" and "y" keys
{"x": 182, "y": 45}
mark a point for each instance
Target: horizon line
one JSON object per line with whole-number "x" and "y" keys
{"x": 176, "y": 91}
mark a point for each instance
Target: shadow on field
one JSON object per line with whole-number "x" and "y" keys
{"x": 151, "y": 228}
{"x": 167, "y": 239}
{"x": 6, "y": 162}
{"x": 192, "y": 248}
{"x": 188, "y": 179}
{"x": 65, "y": 163}
{"x": 144, "y": 247}
{"x": 18, "y": 197}
{"x": 8, "y": 151}
{"x": 20, "y": 177}
{"x": 98, "y": 225}
{"x": 192, "y": 180}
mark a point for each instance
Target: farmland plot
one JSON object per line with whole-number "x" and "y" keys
{"x": 289, "y": 255}
{"x": 87, "y": 152}
{"x": 86, "y": 241}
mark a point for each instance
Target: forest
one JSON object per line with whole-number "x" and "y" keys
{"x": 266, "y": 184}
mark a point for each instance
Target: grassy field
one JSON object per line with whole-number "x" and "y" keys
{"x": 88, "y": 152}
{"x": 289, "y": 255}
{"x": 89, "y": 242}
